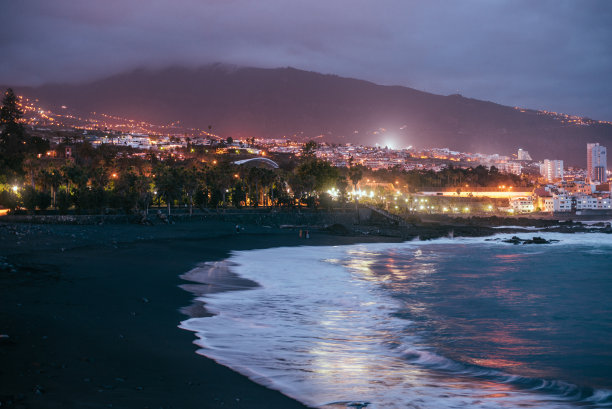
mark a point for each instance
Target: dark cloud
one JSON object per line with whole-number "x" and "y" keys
{"x": 549, "y": 54}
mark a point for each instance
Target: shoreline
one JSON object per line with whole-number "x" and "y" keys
{"x": 92, "y": 312}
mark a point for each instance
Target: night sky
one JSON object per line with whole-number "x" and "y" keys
{"x": 545, "y": 54}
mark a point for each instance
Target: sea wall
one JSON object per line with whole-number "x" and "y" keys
{"x": 273, "y": 218}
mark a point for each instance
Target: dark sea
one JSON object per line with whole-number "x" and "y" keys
{"x": 451, "y": 323}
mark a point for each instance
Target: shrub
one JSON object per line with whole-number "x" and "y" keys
{"x": 29, "y": 198}
{"x": 8, "y": 200}
{"x": 43, "y": 200}
{"x": 63, "y": 201}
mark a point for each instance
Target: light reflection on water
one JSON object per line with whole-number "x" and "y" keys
{"x": 362, "y": 325}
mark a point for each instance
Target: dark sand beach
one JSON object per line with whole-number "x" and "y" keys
{"x": 89, "y": 315}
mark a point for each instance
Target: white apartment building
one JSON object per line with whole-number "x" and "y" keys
{"x": 522, "y": 204}
{"x": 552, "y": 170}
{"x": 523, "y": 155}
{"x": 596, "y": 162}
{"x": 562, "y": 203}
{"x": 138, "y": 142}
{"x": 547, "y": 204}
{"x": 592, "y": 202}
{"x": 510, "y": 167}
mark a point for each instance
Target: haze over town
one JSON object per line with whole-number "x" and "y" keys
{"x": 549, "y": 55}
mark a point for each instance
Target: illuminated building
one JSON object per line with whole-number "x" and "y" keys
{"x": 522, "y": 204}
{"x": 523, "y": 155}
{"x": 552, "y": 170}
{"x": 562, "y": 203}
{"x": 592, "y": 203}
{"x": 510, "y": 167}
{"x": 596, "y": 162}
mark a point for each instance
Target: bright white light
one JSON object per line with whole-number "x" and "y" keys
{"x": 15, "y": 189}
{"x": 390, "y": 143}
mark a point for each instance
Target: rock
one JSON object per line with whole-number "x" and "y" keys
{"x": 338, "y": 229}
{"x": 357, "y": 405}
{"x": 534, "y": 240}
{"x": 513, "y": 240}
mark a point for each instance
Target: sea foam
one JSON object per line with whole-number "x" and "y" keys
{"x": 320, "y": 328}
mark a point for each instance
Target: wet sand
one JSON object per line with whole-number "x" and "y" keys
{"x": 90, "y": 317}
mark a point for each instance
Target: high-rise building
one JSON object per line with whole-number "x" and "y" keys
{"x": 596, "y": 162}
{"x": 552, "y": 170}
{"x": 523, "y": 155}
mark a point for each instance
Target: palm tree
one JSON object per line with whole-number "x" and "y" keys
{"x": 51, "y": 178}
{"x": 193, "y": 177}
{"x": 142, "y": 186}
{"x": 169, "y": 182}
{"x": 355, "y": 175}
{"x": 267, "y": 180}
{"x": 220, "y": 179}
{"x": 254, "y": 177}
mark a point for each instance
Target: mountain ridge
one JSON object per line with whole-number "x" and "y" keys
{"x": 276, "y": 102}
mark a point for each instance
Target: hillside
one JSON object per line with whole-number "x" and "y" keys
{"x": 289, "y": 102}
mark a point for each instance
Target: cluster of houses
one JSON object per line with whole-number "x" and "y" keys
{"x": 139, "y": 141}
{"x": 587, "y": 193}
{"x": 565, "y": 196}
{"x": 580, "y": 194}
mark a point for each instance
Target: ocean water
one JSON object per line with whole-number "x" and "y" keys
{"x": 463, "y": 323}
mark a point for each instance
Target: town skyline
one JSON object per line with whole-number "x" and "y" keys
{"x": 182, "y": 168}
{"x": 142, "y": 135}
{"x": 299, "y": 105}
